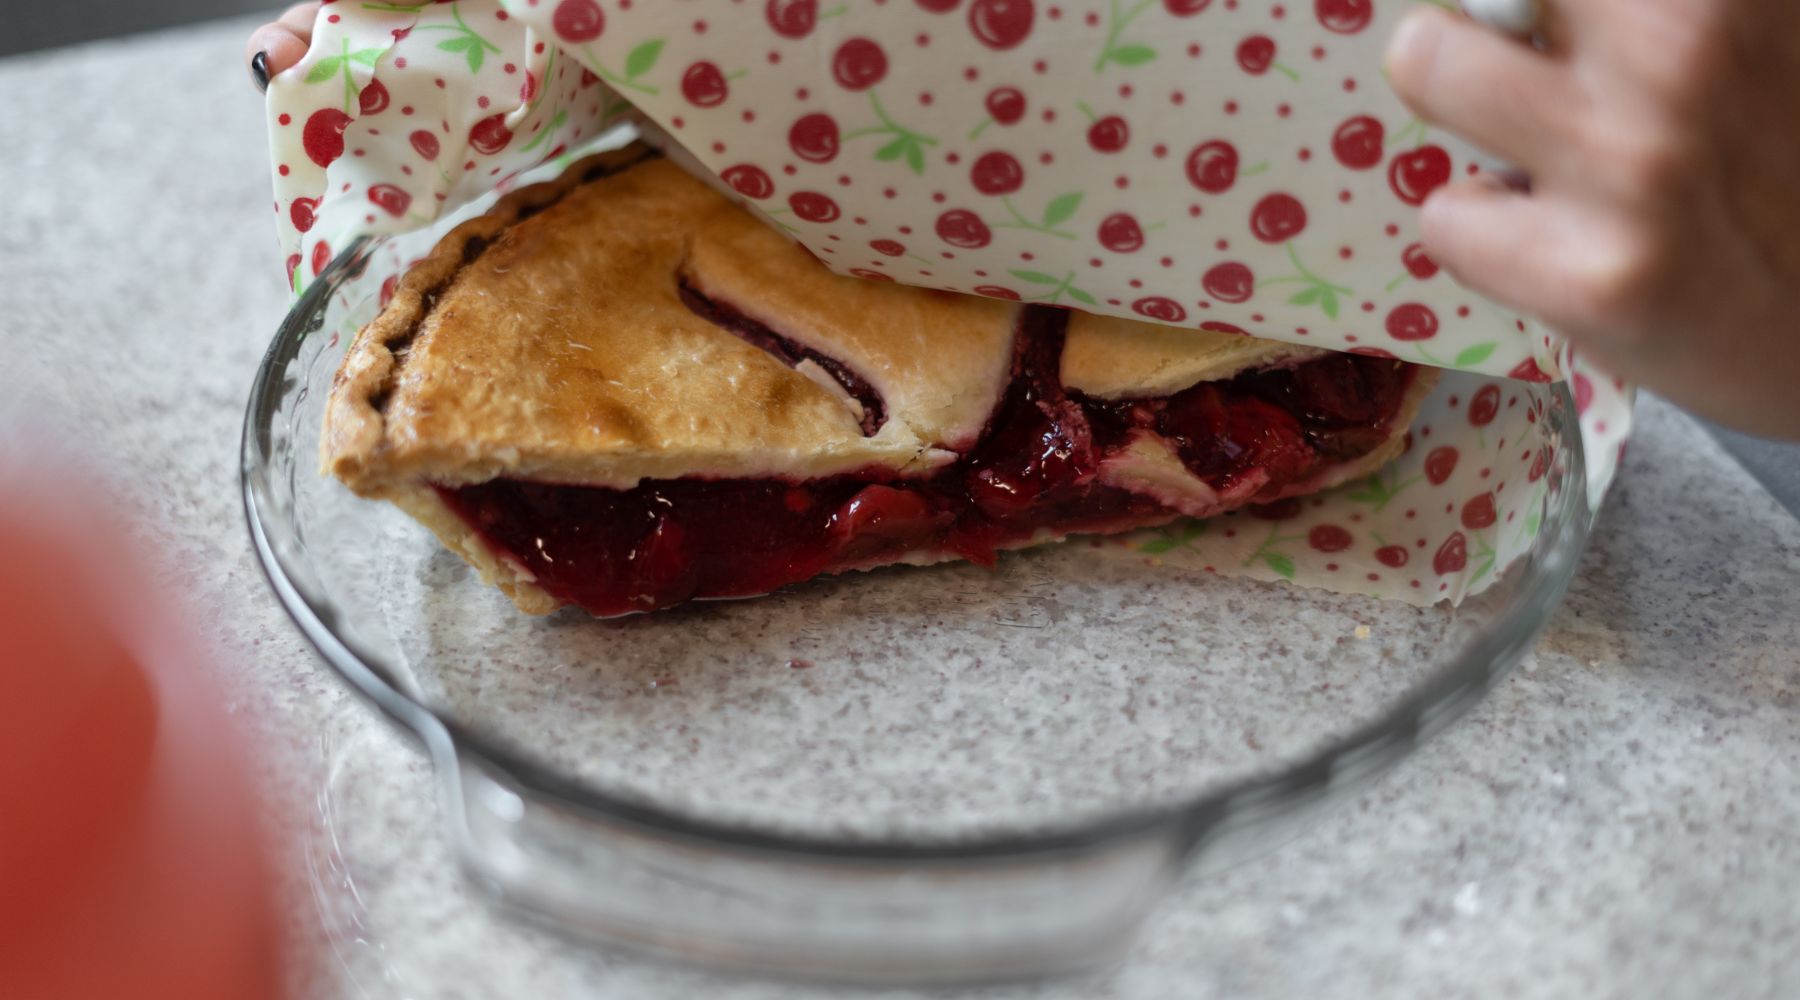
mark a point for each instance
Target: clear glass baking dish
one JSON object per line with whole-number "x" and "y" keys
{"x": 918, "y": 776}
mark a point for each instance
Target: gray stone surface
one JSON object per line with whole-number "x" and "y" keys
{"x": 1776, "y": 464}
{"x": 1620, "y": 819}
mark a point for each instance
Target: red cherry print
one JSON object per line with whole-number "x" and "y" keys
{"x": 425, "y": 144}
{"x": 1452, "y": 556}
{"x": 1157, "y": 307}
{"x": 1484, "y": 406}
{"x": 490, "y": 135}
{"x": 1440, "y": 464}
{"x": 960, "y": 227}
{"x": 863, "y": 272}
{"x": 1529, "y": 371}
{"x": 1255, "y": 54}
{"x": 996, "y": 292}
{"x": 578, "y": 20}
{"x": 1358, "y": 143}
{"x": 373, "y": 99}
{"x": 1394, "y": 556}
{"x": 323, "y": 135}
{"x": 1217, "y": 327}
{"x": 1374, "y": 352}
{"x": 1346, "y": 17}
{"x": 890, "y": 248}
{"x": 939, "y": 6}
{"x": 1329, "y": 538}
{"x": 792, "y": 18}
{"x": 588, "y": 79}
{"x": 1414, "y": 175}
{"x": 1479, "y": 513}
{"x": 749, "y": 180}
{"x": 1584, "y": 393}
{"x": 1278, "y": 218}
{"x": 321, "y": 256}
{"x": 997, "y": 173}
{"x": 1539, "y": 465}
{"x": 391, "y": 199}
{"x": 1419, "y": 263}
{"x": 388, "y": 284}
{"x": 1006, "y": 104}
{"x": 302, "y": 212}
{"x": 1186, "y": 8}
{"x": 529, "y": 88}
{"x": 814, "y": 138}
{"x": 703, "y": 85}
{"x": 859, "y": 64}
{"x": 1213, "y": 166}
{"x": 1230, "y": 282}
{"x": 1120, "y": 233}
{"x": 813, "y": 206}
{"x": 1001, "y": 24}
{"x": 293, "y": 264}
{"x": 1412, "y": 321}
{"x": 1109, "y": 134}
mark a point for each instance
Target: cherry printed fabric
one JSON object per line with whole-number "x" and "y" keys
{"x": 1234, "y": 165}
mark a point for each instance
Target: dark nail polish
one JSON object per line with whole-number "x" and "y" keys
{"x": 259, "y": 71}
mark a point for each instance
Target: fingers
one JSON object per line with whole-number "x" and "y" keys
{"x": 284, "y": 42}
{"x": 1550, "y": 259}
{"x": 1494, "y": 91}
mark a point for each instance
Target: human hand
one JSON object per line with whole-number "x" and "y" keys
{"x": 276, "y": 46}
{"x": 1660, "y": 228}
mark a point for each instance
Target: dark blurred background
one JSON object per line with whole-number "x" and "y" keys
{"x": 27, "y": 25}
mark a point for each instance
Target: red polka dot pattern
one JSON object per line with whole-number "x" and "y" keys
{"x": 1194, "y": 163}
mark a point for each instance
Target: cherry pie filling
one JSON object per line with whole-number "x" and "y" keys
{"x": 1033, "y": 472}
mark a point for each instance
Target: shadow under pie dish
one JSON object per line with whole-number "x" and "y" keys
{"x": 620, "y": 390}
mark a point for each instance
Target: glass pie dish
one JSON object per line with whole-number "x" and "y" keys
{"x": 913, "y": 775}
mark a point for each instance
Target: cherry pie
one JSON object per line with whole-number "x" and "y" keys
{"x": 622, "y": 391}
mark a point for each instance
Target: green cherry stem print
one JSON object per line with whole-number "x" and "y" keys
{"x": 1380, "y": 489}
{"x": 467, "y": 41}
{"x": 1487, "y": 556}
{"x": 331, "y": 66}
{"x": 640, "y": 60}
{"x": 1057, "y": 211}
{"x": 1058, "y": 287}
{"x": 1315, "y": 291}
{"x": 905, "y": 144}
{"x": 1180, "y": 535}
{"x": 1129, "y": 54}
{"x": 1270, "y": 556}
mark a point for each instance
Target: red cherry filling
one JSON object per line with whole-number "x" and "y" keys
{"x": 1033, "y": 471}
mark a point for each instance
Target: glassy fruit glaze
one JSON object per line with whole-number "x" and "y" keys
{"x": 1033, "y": 473}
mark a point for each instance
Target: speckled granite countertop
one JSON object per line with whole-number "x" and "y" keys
{"x": 1621, "y": 819}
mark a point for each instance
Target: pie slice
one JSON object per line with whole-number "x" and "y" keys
{"x": 622, "y": 391}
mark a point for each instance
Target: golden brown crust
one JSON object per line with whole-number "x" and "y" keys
{"x": 548, "y": 340}
{"x": 940, "y": 360}
{"x": 1111, "y": 358}
{"x": 562, "y": 352}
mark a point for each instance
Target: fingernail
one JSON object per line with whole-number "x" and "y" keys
{"x": 1508, "y": 179}
{"x": 1411, "y": 39}
{"x": 259, "y": 71}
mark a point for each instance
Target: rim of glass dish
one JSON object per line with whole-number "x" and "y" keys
{"x": 1427, "y": 707}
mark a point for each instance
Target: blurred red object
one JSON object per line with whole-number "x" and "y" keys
{"x": 129, "y": 858}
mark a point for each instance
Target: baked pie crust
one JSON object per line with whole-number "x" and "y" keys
{"x": 627, "y": 346}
